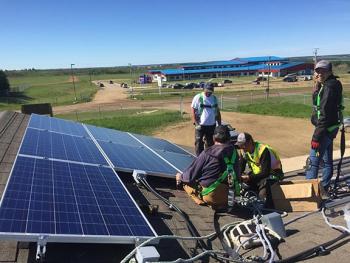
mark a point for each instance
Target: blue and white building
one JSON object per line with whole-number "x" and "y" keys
{"x": 251, "y": 66}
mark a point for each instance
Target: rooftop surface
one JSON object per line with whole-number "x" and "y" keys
{"x": 302, "y": 234}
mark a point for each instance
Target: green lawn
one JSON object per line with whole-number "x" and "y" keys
{"x": 136, "y": 121}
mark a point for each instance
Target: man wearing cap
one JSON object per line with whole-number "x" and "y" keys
{"x": 326, "y": 117}
{"x": 264, "y": 164}
{"x": 205, "y": 114}
{"x": 206, "y": 179}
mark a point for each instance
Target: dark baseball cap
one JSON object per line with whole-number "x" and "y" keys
{"x": 325, "y": 64}
{"x": 222, "y": 133}
{"x": 208, "y": 87}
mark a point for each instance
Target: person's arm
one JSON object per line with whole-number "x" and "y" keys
{"x": 194, "y": 110}
{"x": 193, "y": 116}
{"x": 194, "y": 171}
{"x": 218, "y": 116}
{"x": 265, "y": 162}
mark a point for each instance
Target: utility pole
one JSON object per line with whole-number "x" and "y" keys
{"x": 268, "y": 79}
{"x": 75, "y": 94}
{"x": 315, "y": 54}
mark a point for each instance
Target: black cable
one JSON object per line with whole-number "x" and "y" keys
{"x": 227, "y": 249}
{"x": 319, "y": 249}
{"x": 342, "y": 151}
{"x": 191, "y": 228}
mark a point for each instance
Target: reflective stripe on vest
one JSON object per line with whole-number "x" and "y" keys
{"x": 202, "y": 105}
{"x": 229, "y": 170}
{"x": 340, "y": 110}
{"x": 254, "y": 162}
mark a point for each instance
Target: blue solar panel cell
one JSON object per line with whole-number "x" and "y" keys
{"x": 51, "y": 197}
{"x": 61, "y": 146}
{"x": 180, "y": 161}
{"x": 57, "y": 125}
{"x": 139, "y": 158}
{"x": 109, "y": 135}
{"x": 159, "y": 144}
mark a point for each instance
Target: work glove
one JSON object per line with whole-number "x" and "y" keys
{"x": 315, "y": 145}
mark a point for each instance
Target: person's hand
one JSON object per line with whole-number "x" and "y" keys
{"x": 315, "y": 145}
{"x": 245, "y": 178}
{"x": 178, "y": 179}
{"x": 316, "y": 78}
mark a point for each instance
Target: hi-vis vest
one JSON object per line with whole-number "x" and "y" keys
{"x": 340, "y": 110}
{"x": 254, "y": 161}
{"x": 202, "y": 105}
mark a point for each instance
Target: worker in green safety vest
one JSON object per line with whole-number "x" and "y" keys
{"x": 205, "y": 114}
{"x": 265, "y": 167}
{"x": 209, "y": 176}
{"x": 326, "y": 117}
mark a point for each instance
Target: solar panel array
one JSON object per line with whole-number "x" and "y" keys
{"x": 62, "y": 186}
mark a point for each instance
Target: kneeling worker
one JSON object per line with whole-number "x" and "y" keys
{"x": 264, "y": 164}
{"x": 206, "y": 179}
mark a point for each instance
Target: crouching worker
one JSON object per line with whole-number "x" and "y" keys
{"x": 264, "y": 165}
{"x": 206, "y": 179}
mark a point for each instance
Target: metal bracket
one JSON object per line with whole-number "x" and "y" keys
{"x": 138, "y": 174}
{"x": 41, "y": 248}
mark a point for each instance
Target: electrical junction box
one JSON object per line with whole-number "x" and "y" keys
{"x": 147, "y": 254}
{"x": 275, "y": 223}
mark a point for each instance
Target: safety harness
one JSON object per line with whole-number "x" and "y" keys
{"x": 230, "y": 173}
{"x": 254, "y": 161}
{"x": 202, "y": 105}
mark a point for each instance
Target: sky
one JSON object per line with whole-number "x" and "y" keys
{"x": 45, "y": 34}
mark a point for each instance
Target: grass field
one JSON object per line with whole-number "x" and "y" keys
{"x": 142, "y": 122}
{"x": 54, "y": 89}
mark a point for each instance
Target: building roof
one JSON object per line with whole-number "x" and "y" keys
{"x": 261, "y": 67}
{"x": 301, "y": 234}
{"x": 261, "y": 59}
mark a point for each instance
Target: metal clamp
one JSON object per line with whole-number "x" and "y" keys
{"x": 41, "y": 248}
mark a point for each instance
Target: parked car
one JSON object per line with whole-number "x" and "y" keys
{"x": 124, "y": 85}
{"x": 201, "y": 84}
{"x": 305, "y": 77}
{"x": 111, "y": 82}
{"x": 221, "y": 84}
{"x": 258, "y": 80}
{"x": 290, "y": 78}
{"x": 101, "y": 85}
{"x": 227, "y": 81}
{"x": 215, "y": 84}
{"x": 177, "y": 86}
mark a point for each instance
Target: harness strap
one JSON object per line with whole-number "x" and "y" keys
{"x": 229, "y": 170}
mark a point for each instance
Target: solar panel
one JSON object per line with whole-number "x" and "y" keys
{"x": 57, "y": 125}
{"x": 129, "y": 158}
{"x": 69, "y": 200}
{"x": 60, "y": 146}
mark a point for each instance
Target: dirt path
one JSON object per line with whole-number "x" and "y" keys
{"x": 290, "y": 136}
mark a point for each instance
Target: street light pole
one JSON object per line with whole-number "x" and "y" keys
{"x": 75, "y": 93}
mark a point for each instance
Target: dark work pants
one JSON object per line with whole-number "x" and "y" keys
{"x": 202, "y": 132}
{"x": 263, "y": 189}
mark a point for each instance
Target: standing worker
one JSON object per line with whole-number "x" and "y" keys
{"x": 205, "y": 114}
{"x": 326, "y": 117}
{"x": 209, "y": 176}
{"x": 264, "y": 164}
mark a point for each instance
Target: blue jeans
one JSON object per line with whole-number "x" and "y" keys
{"x": 324, "y": 152}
